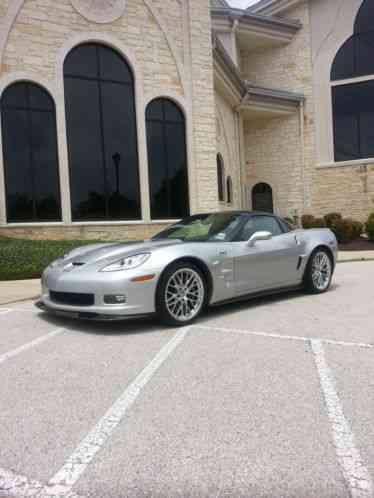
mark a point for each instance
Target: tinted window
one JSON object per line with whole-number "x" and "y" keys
{"x": 220, "y": 178}
{"x": 229, "y": 189}
{"x": 259, "y": 224}
{"x": 167, "y": 159}
{"x": 216, "y": 227}
{"x": 364, "y": 20}
{"x": 355, "y": 57}
{"x": 101, "y": 128}
{"x": 30, "y": 154}
{"x": 353, "y": 109}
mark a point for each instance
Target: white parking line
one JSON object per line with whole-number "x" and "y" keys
{"x": 20, "y": 487}
{"x": 355, "y": 473}
{"x": 61, "y": 484}
{"x": 29, "y": 345}
{"x": 287, "y": 337}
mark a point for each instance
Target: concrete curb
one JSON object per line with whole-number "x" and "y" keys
{"x": 356, "y": 260}
{"x": 21, "y": 300}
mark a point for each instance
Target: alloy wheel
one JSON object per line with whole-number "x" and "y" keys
{"x": 184, "y": 294}
{"x": 321, "y": 271}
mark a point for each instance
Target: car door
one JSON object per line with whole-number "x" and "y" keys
{"x": 268, "y": 263}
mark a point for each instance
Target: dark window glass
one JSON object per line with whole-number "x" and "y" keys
{"x": 101, "y": 128}
{"x": 30, "y": 154}
{"x": 220, "y": 178}
{"x": 286, "y": 227}
{"x": 260, "y": 224}
{"x": 344, "y": 62}
{"x": 365, "y": 17}
{"x": 229, "y": 189}
{"x": 167, "y": 158}
{"x": 353, "y": 109}
{"x": 354, "y": 58}
{"x": 262, "y": 198}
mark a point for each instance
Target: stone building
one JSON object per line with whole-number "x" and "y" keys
{"x": 120, "y": 116}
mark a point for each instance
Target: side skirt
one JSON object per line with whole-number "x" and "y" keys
{"x": 253, "y": 295}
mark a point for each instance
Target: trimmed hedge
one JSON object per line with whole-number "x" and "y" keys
{"x": 22, "y": 259}
{"x": 345, "y": 229}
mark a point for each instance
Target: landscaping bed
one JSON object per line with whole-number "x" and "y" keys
{"x": 360, "y": 244}
{"x": 22, "y": 259}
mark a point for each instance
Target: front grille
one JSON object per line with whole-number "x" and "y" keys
{"x": 72, "y": 298}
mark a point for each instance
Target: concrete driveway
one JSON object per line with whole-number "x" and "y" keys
{"x": 270, "y": 398}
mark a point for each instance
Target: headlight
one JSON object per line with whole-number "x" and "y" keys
{"x": 128, "y": 263}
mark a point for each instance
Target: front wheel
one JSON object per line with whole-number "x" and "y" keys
{"x": 181, "y": 294}
{"x": 318, "y": 273}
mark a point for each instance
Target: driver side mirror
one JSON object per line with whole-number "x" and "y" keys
{"x": 259, "y": 236}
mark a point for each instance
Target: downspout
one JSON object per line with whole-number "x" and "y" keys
{"x": 243, "y": 203}
{"x": 302, "y": 153}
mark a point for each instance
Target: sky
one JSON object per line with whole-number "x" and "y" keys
{"x": 241, "y": 4}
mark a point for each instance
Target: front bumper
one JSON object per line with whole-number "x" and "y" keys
{"x": 85, "y": 315}
{"x": 140, "y": 297}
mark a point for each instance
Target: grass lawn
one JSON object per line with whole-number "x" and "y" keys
{"x": 21, "y": 259}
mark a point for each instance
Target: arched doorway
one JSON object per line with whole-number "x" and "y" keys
{"x": 262, "y": 198}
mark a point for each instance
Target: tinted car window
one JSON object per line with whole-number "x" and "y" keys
{"x": 260, "y": 224}
{"x": 286, "y": 227}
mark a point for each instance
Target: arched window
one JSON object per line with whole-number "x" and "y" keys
{"x": 220, "y": 178}
{"x": 102, "y": 137}
{"x": 229, "y": 189}
{"x": 353, "y": 104}
{"x": 29, "y": 135}
{"x": 262, "y": 198}
{"x": 167, "y": 159}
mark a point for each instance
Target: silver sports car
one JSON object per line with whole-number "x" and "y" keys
{"x": 202, "y": 260}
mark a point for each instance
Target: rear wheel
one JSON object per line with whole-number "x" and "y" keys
{"x": 318, "y": 273}
{"x": 181, "y": 294}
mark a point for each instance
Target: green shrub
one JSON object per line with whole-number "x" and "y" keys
{"x": 344, "y": 230}
{"x": 22, "y": 259}
{"x": 332, "y": 218}
{"x": 370, "y": 227}
{"x": 358, "y": 228}
{"x": 307, "y": 221}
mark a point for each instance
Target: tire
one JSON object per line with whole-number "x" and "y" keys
{"x": 179, "y": 304}
{"x": 318, "y": 273}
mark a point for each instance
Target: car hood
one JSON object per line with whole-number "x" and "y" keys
{"x": 113, "y": 252}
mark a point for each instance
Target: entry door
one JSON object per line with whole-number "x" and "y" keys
{"x": 269, "y": 263}
{"x": 262, "y": 198}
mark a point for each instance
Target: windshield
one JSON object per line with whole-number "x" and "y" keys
{"x": 217, "y": 227}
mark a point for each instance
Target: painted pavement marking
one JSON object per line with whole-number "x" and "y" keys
{"x": 36, "y": 342}
{"x": 61, "y": 484}
{"x": 21, "y": 487}
{"x": 287, "y": 337}
{"x": 5, "y": 311}
{"x": 355, "y": 473}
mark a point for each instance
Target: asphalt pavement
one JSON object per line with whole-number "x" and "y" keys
{"x": 268, "y": 398}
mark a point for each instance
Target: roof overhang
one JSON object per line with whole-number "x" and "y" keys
{"x": 254, "y": 31}
{"x": 253, "y": 102}
{"x": 272, "y": 7}
{"x": 266, "y": 103}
